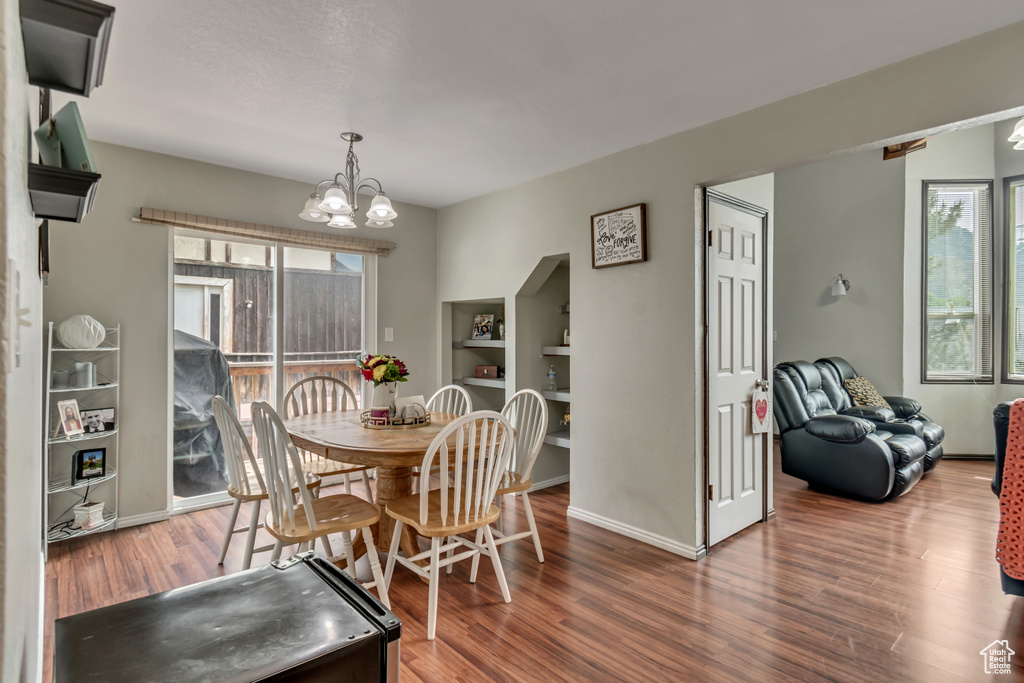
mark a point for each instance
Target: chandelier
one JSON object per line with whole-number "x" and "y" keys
{"x": 1017, "y": 135}
{"x": 337, "y": 206}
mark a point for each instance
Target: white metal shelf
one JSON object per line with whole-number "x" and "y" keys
{"x": 480, "y": 382}
{"x": 557, "y": 395}
{"x": 554, "y": 350}
{"x": 53, "y": 534}
{"x": 80, "y": 437}
{"x": 59, "y": 489}
{"x": 559, "y": 438}
{"x": 66, "y": 485}
{"x": 71, "y": 390}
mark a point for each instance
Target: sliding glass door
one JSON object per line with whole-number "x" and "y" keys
{"x": 250, "y": 320}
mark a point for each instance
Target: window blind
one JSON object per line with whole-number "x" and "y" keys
{"x": 957, "y": 270}
{"x": 289, "y": 237}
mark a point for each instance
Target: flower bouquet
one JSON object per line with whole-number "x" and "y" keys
{"x": 379, "y": 369}
{"x": 385, "y": 372}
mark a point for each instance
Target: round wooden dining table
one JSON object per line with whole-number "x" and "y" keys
{"x": 394, "y": 452}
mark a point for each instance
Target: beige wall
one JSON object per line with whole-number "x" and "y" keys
{"x": 118, "y": 271}
{"x": 842, "y": 215}
{"x": 21, "y": 452}
{"x": 641, "y": 428}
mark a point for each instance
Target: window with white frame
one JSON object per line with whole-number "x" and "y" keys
{"x": 1013, "y": 325}
{"x": 957, "y": 274}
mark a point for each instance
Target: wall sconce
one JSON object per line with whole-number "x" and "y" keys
{"x": 840, "y": 287}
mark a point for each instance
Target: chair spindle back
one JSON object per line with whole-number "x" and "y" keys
{"x": 282, "y": 468}
{"x": 527, "y": 412}
{"x": 320, "y": 394}
{"x": 238, "y": 453}
{"x": 451, "y": 399}
{"x": 476, "y": 461}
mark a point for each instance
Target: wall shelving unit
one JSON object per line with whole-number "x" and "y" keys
{"x": 61, "y": 493}
{"x": 487, "y": 393}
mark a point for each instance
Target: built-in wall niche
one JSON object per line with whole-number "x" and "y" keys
{"x": 542, "y": 318}
{"x": 477, "y": 360}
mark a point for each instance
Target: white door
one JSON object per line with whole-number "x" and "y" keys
{"x": 735, "y": 363}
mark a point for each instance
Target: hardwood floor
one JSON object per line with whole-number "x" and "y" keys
{"x": 832, "y": 589}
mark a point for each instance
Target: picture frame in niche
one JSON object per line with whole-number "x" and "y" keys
{"x": 89, "y": 463}
{"x": 98, "y": 421}
{"x": 70, "y": 418}
{"x": 483, "y": 326}
{"x": 619, "y": 237}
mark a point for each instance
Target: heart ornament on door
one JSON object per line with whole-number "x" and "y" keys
{"x": 760, "y": 416}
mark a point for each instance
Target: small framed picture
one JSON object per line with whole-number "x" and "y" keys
{"x": 482, "y": 326}
{"x": 90, "y": 464}
{"x": 619, "y": 237}
{"x": 70, "y": 419}
{"x": 97, "y": 421}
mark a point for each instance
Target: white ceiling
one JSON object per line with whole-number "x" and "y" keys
{"x": 460, "y": 97}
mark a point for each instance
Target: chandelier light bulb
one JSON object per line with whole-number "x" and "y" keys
{"x": 335, "y": 200}
{"x": 381, "y": 209}
{"x": 341, "y": 220}
{"x": 1018, "y": 132}
{"x": 312, "y": 213}
{"x": 379, "y": 224}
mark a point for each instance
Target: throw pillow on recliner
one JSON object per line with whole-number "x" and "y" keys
{"x": 863, "y": 393}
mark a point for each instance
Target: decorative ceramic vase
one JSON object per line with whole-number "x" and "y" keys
{"x": 384, "y": 395}
{"x": 81, "y": 332}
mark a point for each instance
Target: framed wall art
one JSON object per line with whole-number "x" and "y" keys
{"x": 619, "y": 237}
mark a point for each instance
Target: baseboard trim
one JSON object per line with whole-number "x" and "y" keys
{"x": 969, "y": 456}
{"x": 687, "y": 551}
{"x": 144, "y": 518}
{"x": 771, "y": 514}
{"x": 537, "y": 486}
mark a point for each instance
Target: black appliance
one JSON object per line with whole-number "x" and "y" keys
{"x": 300, "y": 619}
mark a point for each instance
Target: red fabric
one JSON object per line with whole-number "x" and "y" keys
{"x": 1010, "y": 546}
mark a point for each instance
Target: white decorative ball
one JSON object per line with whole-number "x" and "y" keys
{"x": 81, "y": 332}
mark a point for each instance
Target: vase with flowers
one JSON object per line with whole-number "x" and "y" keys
{"x": 385, "y": 372}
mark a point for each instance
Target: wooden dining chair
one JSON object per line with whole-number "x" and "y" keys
{"x": 323, "y": 394}
{"x": 304, "y": 520}
{"x": 245, "y": 480}
{"x": 476, "y": 449}
{"x": 451, "y": 399}
{"x": 527, "y": 412}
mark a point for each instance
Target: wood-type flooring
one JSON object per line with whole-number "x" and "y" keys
{"x": 831, "y": 589}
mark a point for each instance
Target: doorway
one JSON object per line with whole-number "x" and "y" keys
{"x": 738, "y": 353}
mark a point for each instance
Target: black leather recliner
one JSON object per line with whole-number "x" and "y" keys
{"x": 904, "y": 418}
{"x": 844, "y": 453}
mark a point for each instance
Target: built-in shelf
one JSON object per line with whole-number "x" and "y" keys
{"x": 61, "y": 194}
{"x": 66, "y": 485}
{"x": 560, "y": 438}
{"x": 479, "y": 344}
{"x": 58, "y": 532}
{"x": 98, "y": 387}
{"x": 554, "y": 350}
{"x": 480, "y": 382}
{"x": 557, "y": 395}
{"x": 81, "y": 437}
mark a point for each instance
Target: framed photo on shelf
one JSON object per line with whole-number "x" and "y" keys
{"x": 90, "y": 463}
{"x": 70, "y": 418}
{"x": 482, "y": 326}
{"x": 97, "y": 421}
{"x": 619, "y": 237}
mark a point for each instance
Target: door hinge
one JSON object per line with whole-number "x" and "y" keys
{"x": 711, "y": 238}
{"x": 711, "y": 491}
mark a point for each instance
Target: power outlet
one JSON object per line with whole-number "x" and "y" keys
{"x": 389, "y": 334}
